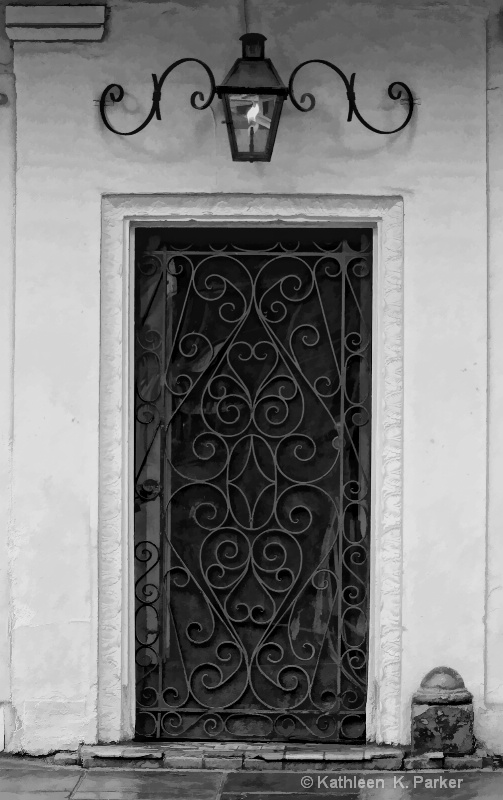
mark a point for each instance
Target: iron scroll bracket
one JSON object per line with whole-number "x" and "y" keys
{"x": 307, "y": 101}
{"x": 116, "y": 94}
{"x": 395, "y": 91}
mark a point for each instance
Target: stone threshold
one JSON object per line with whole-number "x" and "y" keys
{"x": 236, "y": 756}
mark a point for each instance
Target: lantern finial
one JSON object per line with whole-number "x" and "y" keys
{"x": 253, "y": 45}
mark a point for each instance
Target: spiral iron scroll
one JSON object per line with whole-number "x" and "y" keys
{"x": 115, "y": 93}
{"x": 396, "y": 90}
{"x": 252, "y": 490}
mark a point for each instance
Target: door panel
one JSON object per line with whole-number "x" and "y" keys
{"x": 252, "y": 482}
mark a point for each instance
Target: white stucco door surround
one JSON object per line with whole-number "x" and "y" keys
{"x": 120, "y": 215}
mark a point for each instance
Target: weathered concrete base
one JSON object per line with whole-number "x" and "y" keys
{"x": 272, "y": 757}
{"x": 253, "y": 757}
{"x": 424, "y": 761}
{"x": 443, "y": 728}
{"x": 66, "y": 758}
{"x": 238, "y": 756}
{"x": 464, "y": 762}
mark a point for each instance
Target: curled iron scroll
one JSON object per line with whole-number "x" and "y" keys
{"x": 395, "y": 92}
{"x": 116, "y": 93}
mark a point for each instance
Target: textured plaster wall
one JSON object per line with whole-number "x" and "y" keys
{"x": 7, "y": 201}
{"x": 493, "y": 714}
{"x": 66, "y": 160}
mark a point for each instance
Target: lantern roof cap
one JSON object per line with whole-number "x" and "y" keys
{"x": 252, "y": 72}
{"x": 253, "y": 45}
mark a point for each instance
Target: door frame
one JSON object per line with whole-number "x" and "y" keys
{"x": 121, "y": 214}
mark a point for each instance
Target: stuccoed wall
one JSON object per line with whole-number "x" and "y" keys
{"x": 66, "y": 160}
{"x": 7, "y": 201}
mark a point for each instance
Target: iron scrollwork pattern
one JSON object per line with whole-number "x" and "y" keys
{"x": 396, "y": 91}
{"x": 115, "y": 92}
{"x": 252, "y": 484}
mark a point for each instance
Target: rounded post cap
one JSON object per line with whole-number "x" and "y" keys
{"x": 442, "y": 685}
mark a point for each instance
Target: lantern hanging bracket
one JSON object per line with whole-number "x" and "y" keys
{"x": 116, "y": 94}
{"x": 394, "y": 91}
{"x": 251, "y": 91}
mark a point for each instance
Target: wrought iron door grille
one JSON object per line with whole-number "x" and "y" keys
{"x": 252, "y": 482}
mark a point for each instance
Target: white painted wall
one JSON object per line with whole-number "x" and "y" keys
{"x": 67, "y": 160}
{"x": 7, "y": 201}
{"x": 493, "y": 714}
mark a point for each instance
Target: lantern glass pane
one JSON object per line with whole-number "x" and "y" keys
{"x": 252, "y": 117}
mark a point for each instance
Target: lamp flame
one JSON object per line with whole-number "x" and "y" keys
{"x": 251, "y": 114}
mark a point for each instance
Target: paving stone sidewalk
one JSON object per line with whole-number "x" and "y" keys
{"x": 30, "y": 781}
